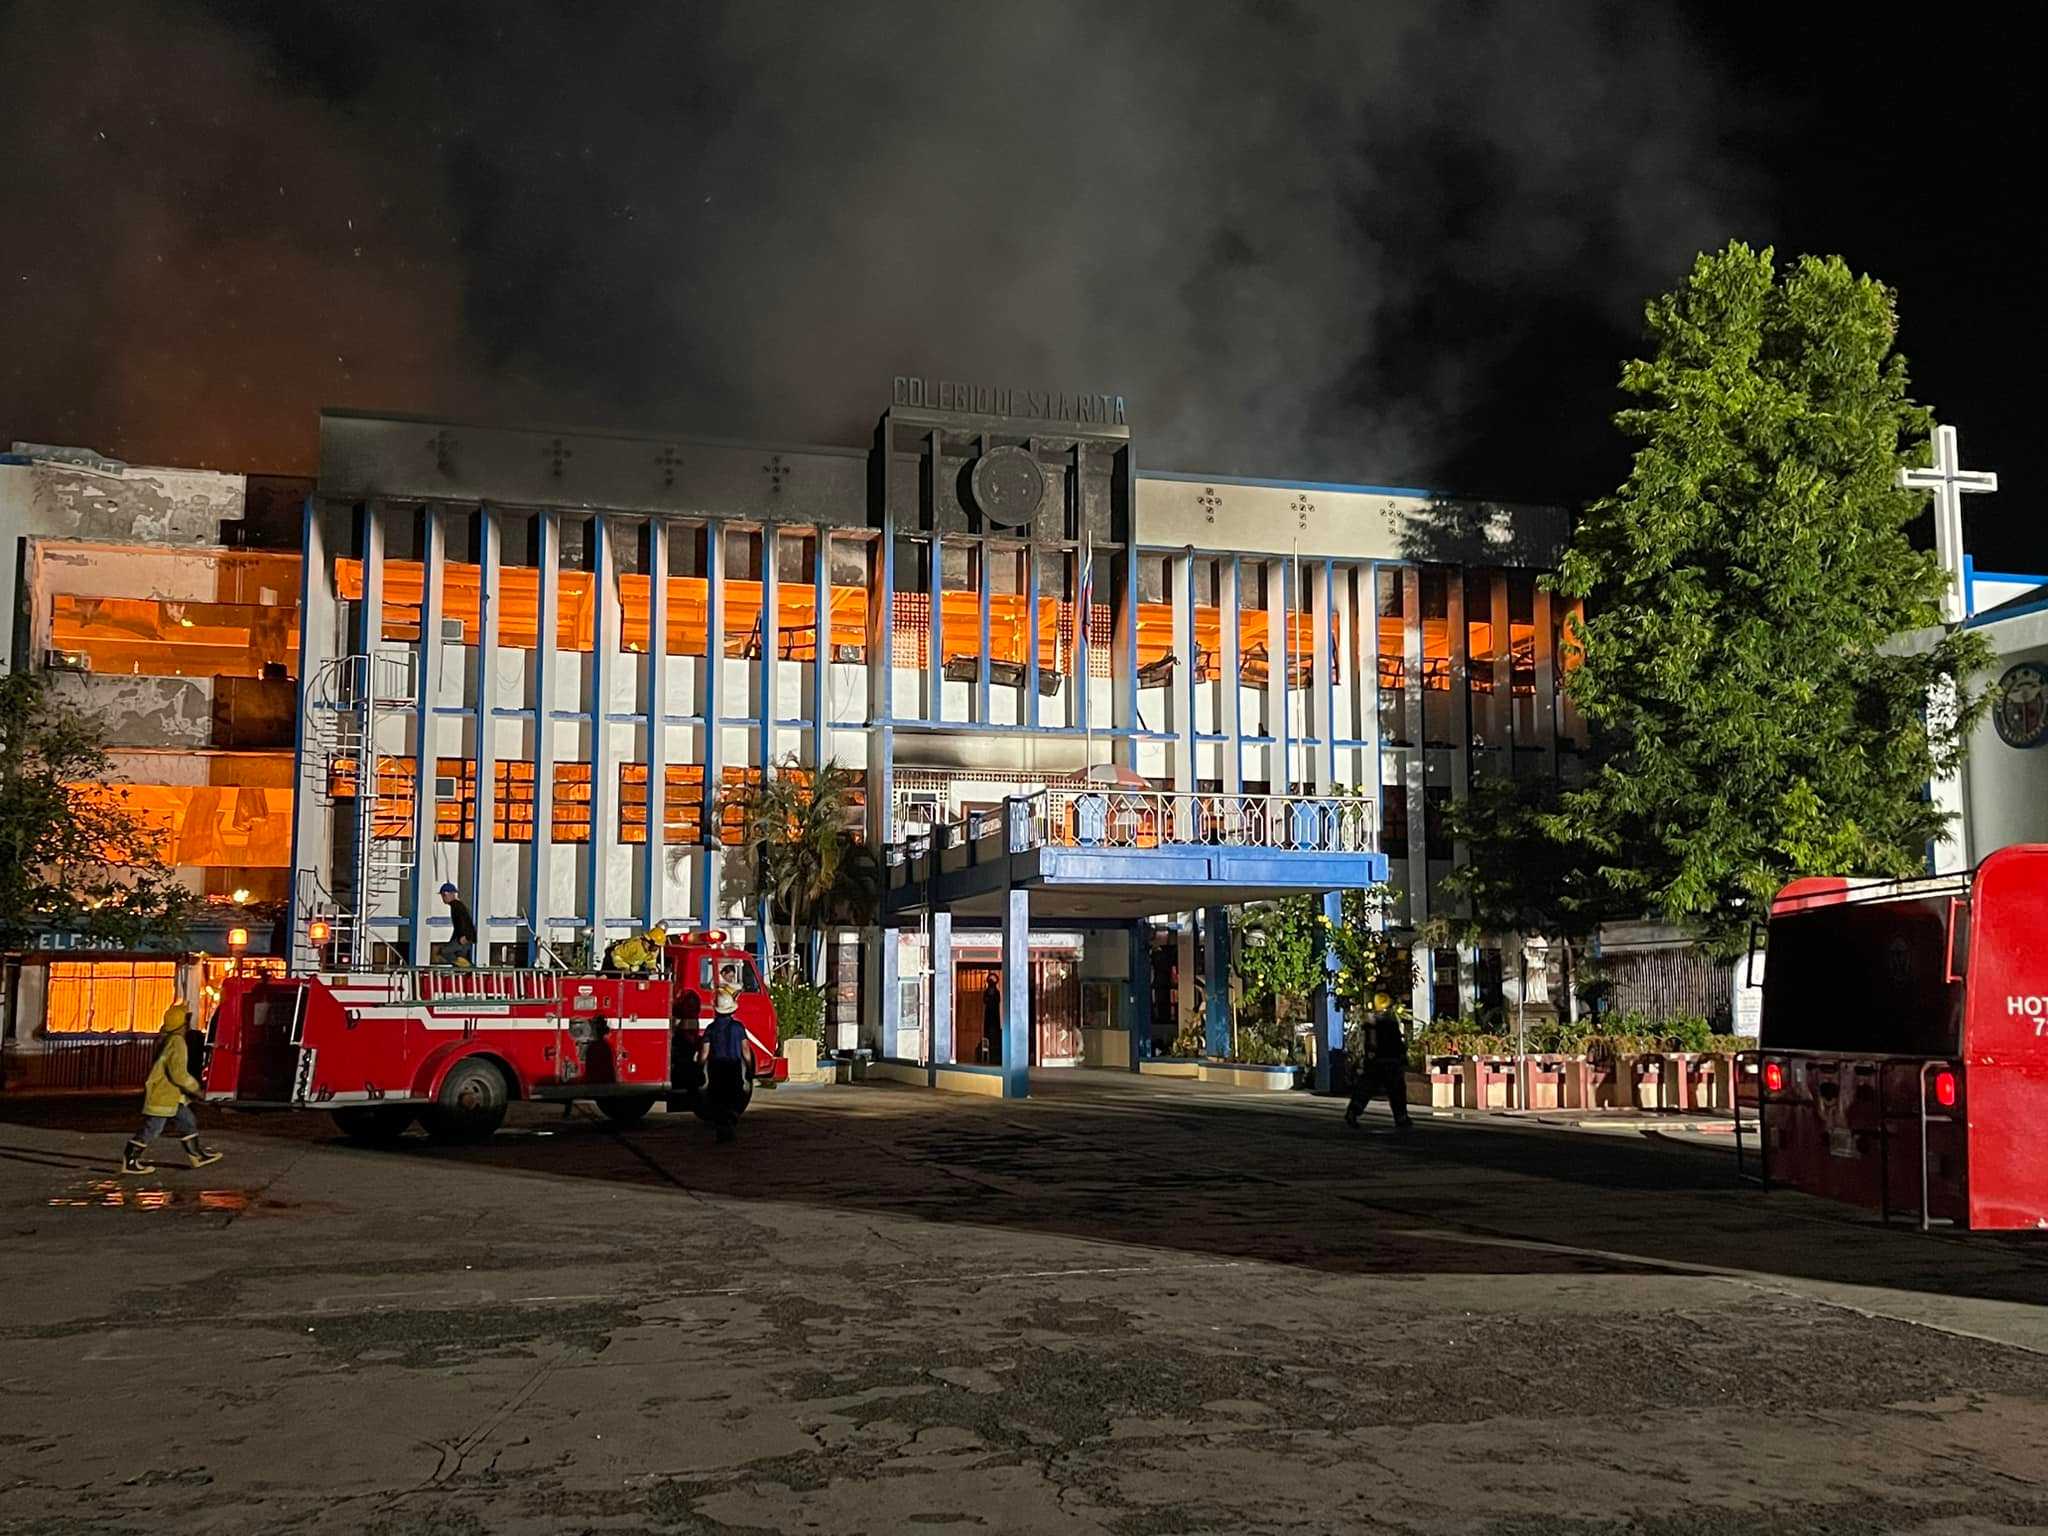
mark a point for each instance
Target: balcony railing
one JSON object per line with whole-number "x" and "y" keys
{"x": 1088, "y": 817}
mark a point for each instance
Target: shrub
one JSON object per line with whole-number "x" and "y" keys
{"x": 799, "y": 1006}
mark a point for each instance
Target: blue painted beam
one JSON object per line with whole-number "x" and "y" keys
{"x": 604, "y": 640}
{"x": 1138, "y": 993}
{"x": 1216, "y": 976}
{"x": 1323, "y": 1010}
{"x": 1017, "y": 993}
{"x": 546, "y": 612}
{"x": 942, "y": 991}
{"x": 483, "y": 845}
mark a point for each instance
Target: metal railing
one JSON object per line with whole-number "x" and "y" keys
{"x": 1155, "y": 818}
{"x": 1089, "y": 817}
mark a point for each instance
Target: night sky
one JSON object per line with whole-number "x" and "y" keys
{"x": 1399, "y": 243}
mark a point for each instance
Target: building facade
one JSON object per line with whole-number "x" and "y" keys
{"x": 551, "y": 644}
{"x": 150, "y": 603}
{"x": 503, "y": 658}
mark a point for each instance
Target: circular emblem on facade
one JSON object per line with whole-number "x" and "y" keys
{"x": 2021, "y": 713}
{"x": 1007, "y": 484}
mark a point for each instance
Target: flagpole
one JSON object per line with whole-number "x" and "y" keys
{"x": 1081, "y": 651}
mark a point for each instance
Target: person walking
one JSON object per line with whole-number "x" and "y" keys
{"x": 724, "y": 1054}
{"x": 991, "y": 1021}
{"x": 460, "y": 948}
{"x": 1386, "y": 1073}
{"x": 165, "y": 1093}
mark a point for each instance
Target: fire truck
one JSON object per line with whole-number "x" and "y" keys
{"x": 451, "y": 1047}
{"x": 1904, "y": 1059}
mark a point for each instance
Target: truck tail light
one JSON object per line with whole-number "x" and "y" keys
{"x": 1774, "y": 1077}
{"x": 1945, "y": 1088}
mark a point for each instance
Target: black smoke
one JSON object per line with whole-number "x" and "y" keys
{"x": 1404, "y": 243}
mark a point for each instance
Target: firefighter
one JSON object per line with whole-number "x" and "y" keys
{"x": 1386, "y": 1072}
{"x": 639, "y": 955}
{"x": 460, "y": 949}
{"x": 724, "y": 1055}
{"x": 164, "y": 1099}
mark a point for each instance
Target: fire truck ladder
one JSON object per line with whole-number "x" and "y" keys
{"x": 374, "y": 855}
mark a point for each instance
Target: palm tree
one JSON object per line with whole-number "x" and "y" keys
{"x": 797, "y": 825}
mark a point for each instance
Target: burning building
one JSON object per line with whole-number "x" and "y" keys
{"x": 533, "y": 664}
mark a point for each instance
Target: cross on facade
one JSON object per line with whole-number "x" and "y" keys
{"x": 1950, "y": 483}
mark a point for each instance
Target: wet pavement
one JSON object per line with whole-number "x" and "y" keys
{"x": 1121, "y": 1307}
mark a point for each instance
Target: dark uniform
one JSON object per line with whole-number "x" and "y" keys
{"x": 461, "y": 946}
{"x": 1385, "y": 1074}
{"x": 726, "y": 1072}
{"x": 991, "y": 1022}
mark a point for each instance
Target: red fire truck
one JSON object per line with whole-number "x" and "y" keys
{"x": 1904, "y": 1060}
{"x": 452, "y": 1047}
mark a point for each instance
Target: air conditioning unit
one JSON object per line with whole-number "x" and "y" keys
{"x": 447, "y": 787}
{"x": 451, "y": 632}
{"x": 55, "y": 660}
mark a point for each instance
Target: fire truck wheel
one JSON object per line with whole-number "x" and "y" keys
{"x": 376, "y": 1125}
{"x": 471, "y": 1105}
{"x": 626, "y": 1109}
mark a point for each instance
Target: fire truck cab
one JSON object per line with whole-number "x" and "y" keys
{"x": 1904, "y": 1060}
{"x": 452, "y": 1046}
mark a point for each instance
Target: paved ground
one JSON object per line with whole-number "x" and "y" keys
{"x": 1122, "y": 1307}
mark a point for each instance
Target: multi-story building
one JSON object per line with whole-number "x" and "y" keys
{"x": 516, "y": 653}
{"x": 576, "y": 638}
{"x": 147, "y": 598}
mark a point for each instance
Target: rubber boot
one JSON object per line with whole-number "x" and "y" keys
{"x": 198, "y": 1156}
{"x": 135, "y": 1159}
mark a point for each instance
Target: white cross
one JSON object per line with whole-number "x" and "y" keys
{"x": 1950, "y": 483}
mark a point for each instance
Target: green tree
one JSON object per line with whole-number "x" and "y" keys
{"x": 73, "y": 857}
{"x": 1741, "y": 585}
{"x": 1522, "y": 875}
{"x": 1369, "y": 963}
{"x": 797, "y": 828}
{"x": 1279, "y": 955}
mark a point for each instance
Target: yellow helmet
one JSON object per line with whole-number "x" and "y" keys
{"x": 178, "y": 1015}
{"x": 1381, "y": 1001}
{"x": 658, "y": 933}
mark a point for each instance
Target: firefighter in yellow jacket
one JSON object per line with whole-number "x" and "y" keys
{"x": 165, "y": 1093}
{"x": 639, "y": 955}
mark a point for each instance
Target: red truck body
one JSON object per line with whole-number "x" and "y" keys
{"x": 1904, "y": 1061}
{"x": 453, "y": 1045}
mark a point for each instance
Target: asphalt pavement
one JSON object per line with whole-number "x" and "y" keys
{"x": 1122, "y": 1306}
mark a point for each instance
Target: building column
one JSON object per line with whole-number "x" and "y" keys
{"x": 654, "y": 853}
{"x": 1017, "y": 992}
{"x": 1328, "y": 1018}
{"x": 606, "y": 624}
{"x": 1279, "y": 576}
{"x": 885, "y": 967}
{"x": 1216, "y": 973}
{"x": 1546, "y": 684}
{"x": 1184, "y": 974}
{"x": 1138, "y": 994}
{"x": 547, "y": 611}
{"x": 711, "y": 706}
{"x": 483, "y": 845}
{"x": 1232, "y": 723}
{"x": 426, "y": 756}
{"x": 880, "y": 970}
{"x": 942, "y": 990}
{"x": 1180, "y": 591}
{"x": 1322, "y": 691}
